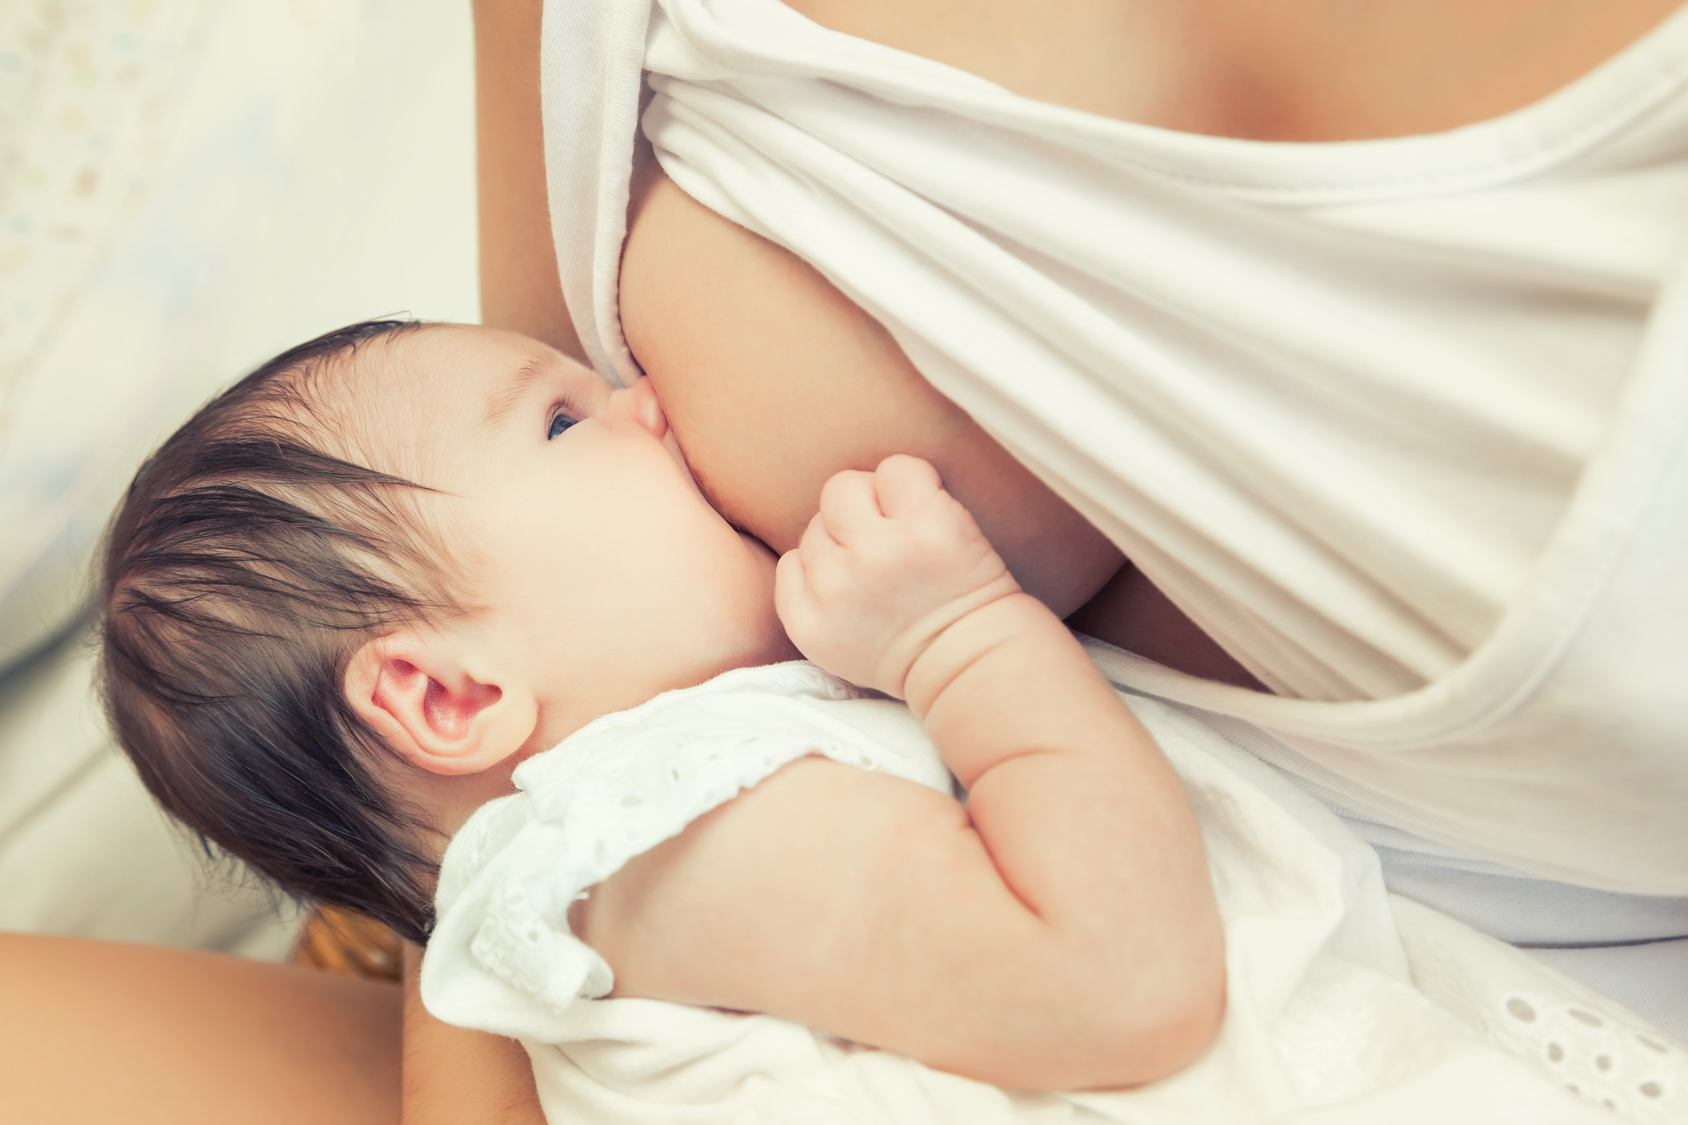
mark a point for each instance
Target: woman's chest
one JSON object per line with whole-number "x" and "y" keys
{"x": 1288, "y": 70}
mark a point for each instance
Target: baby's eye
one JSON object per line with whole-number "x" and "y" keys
{"x": 559, "y": 423}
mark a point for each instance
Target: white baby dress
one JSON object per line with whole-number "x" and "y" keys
{"x": 1344, "y": 1006}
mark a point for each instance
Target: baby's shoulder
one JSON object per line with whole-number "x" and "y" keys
{"x": 611, "y": 791}
{"x": 631, "y": 779}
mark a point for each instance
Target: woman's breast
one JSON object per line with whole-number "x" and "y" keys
{"x": 776, "y": 380}
{"x": 773, "y": 381}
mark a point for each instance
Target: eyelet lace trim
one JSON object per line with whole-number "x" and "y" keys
{"x": 1590, "y": 1045}
{"x": 1597, "y": 1052}
{"x": 616, "y": 789}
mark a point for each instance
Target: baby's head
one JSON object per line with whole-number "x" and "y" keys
{"x": 348, "y": 596}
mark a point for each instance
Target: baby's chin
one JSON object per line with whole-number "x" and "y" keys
{"x": 672, "y": 445}
{"x": 772, "y": 647}
{"x": 756, "y": 632}
{"x": 745, "y": 644}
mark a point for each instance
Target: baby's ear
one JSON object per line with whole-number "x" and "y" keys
{"x": 434, "y": 707}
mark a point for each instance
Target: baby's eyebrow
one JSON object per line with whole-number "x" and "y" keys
{"x": 514, "y": 390}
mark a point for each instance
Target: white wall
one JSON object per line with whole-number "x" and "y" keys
{"x": 186, "y": 188}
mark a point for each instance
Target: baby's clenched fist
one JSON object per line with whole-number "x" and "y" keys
{"x": 889, "y": 562}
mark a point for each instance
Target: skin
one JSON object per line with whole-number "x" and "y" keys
{"x": 453, "y": 1076}
{"x": 578, "y": 608}
{"x": 1076, "y": 861}
{"x": 764, "y": 365}
{"x": 1416, "y": 67}
{"x": 97, "y": 1031}
{"x": 1313, "y": 70}
{"x": 600, "y": 577}
{"x": 1281, "y": 70}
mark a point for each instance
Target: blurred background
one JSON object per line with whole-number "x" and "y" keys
{"x": 186, "y": 188}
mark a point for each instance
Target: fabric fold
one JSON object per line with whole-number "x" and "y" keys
{"x": 1362, "y": 410}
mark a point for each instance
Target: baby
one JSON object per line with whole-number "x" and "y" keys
{"x": 349, "y": 598}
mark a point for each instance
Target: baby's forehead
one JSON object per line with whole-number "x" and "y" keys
{"x": 417, "y": 365}
{"x": 421, "y": 401}
{"x": 406, "y": 402}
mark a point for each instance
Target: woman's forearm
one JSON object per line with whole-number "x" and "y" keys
{"x": 453, "y": 1076}
{"x": 102, "y": 1031}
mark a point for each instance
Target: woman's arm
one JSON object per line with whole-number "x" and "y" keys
{"x": 1058, "y": 932}
{"x": 519, "y": 286}
{"x": 98, "y": 1031}
{"x": 454, "y": 1076}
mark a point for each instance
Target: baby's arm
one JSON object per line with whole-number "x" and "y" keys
{"x": 1084, "y": 821}
{"x": 1058, "y": 932}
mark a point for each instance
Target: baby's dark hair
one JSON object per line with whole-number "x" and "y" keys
{"x": 244, "y": 567}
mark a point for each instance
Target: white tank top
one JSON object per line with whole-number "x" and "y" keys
{"x": 1403, "y": 424}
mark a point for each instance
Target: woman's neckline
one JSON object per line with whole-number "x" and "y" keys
{"x": 1305, "y": 71}
{"x": 1552, "y": 132}
{"x": 1527, "y": 142}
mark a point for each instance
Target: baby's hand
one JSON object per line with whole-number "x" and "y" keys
{"x": 889, "y": 562}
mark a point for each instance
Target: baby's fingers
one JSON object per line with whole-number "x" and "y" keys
{"x": 848, "y": 506}
{"x": 818, "y": 546}
{"x": 905, "y": 484}
{"x": 826, "y": 567}
{"x": 791, "y": 596}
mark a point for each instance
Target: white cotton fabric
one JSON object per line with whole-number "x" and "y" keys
{"x": 1331, "y": 1018}
{"x": 614, "y": 789}
{"x": 1400, "y": 423}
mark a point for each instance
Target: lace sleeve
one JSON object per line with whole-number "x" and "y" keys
{"x": 502, "y": 957}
